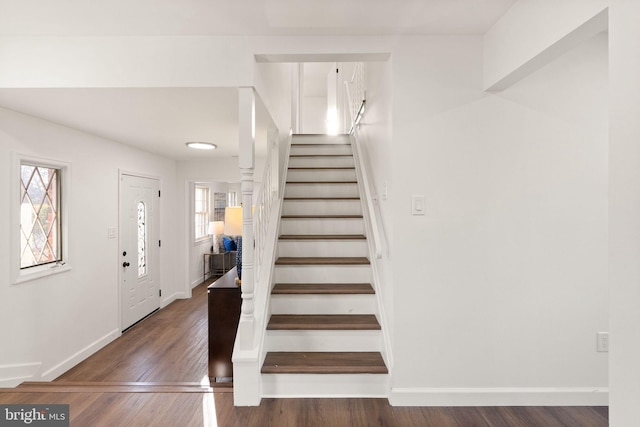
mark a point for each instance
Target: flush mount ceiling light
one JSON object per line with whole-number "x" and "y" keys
{"x": 201, "y": 145}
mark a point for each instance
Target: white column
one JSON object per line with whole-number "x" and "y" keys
{"x": 246, "y": 133}
{"x": 624, "y": 213}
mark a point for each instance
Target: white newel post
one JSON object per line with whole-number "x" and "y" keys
{"x": 246, "y": 371}
{"x": 246, "y": 122}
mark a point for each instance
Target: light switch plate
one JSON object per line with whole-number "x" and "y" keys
{"x": 111, "y": 233}
{"x": 418, "y": 206}
{"x": 602, "y": 341}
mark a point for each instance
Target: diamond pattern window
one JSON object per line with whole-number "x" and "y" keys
{"x": 40, "y": 236}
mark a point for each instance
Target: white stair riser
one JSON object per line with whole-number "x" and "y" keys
{"x": 322, "y": 226}
{"x": 322, "y": 207}
{"x": 320, "y": 139}
{"x": 323, "y": 304}
{"x": 325, "y": 385}
{"x": 320, "y": 149}
{"x": 321, "y": 162}
{"x": 321, "y": 175}
{"x": 322, "y": 274}
{"x": 321, "y": 190}
{"x": 322, "y": 248}
{"x": 323, "y": 341}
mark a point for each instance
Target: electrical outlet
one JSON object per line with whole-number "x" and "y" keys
{"x": 602, "y": 341}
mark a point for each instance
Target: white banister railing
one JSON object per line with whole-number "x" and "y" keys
{"x": 269, "y": 194}
{"x": 356, "y": 91}
{"x": 268, "y": 204}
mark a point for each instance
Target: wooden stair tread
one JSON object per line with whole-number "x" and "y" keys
{"x": 334, "y": 322}
{"x": 322, "y": 261}
{"x": 321, "y": 155}
{"x": 321, "y": 216}
{"x": 322, "y": 237}
{"x": 324, "y": 363}
{"x": 320, "y": 198}
{"x": 301, "y": 144}
{"x": 322, "y": 182}
{"x": 323, "y": 168}
{"x": 322, "y": 288}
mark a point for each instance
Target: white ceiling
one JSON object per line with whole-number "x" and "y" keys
{"x": 162, "y": 120}
{"x": 159, "y": 120}
{"x": 248, "y": 17}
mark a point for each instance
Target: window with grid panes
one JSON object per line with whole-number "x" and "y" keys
{"x": 201, "y": 212}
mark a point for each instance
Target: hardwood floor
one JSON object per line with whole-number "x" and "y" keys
{"x": 170, "y": 345}
{"x": 153, "y": 376}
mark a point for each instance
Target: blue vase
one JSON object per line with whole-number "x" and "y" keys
{"x": 239, "y": 258}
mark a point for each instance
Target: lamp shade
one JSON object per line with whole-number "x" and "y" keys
{"x": 233, "y": 221}
{"x": 216, "y": 227}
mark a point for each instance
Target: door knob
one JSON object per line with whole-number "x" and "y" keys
{"x": 125, "y": 264}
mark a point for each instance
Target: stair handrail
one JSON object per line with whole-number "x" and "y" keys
{"x": 356, "y": 110}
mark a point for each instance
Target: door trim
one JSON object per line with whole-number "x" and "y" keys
{"x": 121, "y": 174}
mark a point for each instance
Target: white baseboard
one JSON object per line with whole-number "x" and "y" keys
{"x": 529, "y": 396}
{"x": 13, "y": 375}
{"x": 79, "y": 356}
{"x": 171, "y": 298}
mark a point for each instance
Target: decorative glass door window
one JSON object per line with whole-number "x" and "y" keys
{"x": 39, "y": 215}
{"x": 142, "y": 239}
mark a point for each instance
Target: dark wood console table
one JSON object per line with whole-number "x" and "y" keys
{"x": 224, "y": 314}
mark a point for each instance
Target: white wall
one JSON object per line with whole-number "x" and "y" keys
{"x": 374, "y": 134}
{"x": 314, "y": 114}
{"x": 624, "y": 213}
{"x": 125, "y": 61}
{"x": 54, "y": 322}
{"x": 503, "y": 282}
{"x": 533, "y": 32}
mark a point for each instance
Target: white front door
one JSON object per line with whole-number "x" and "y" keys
{"x": 138, "y": 257}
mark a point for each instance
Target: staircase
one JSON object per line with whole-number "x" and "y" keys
{"x": 323, "y": 338}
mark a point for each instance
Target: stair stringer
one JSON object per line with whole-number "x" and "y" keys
{"x": 374, "y": 253}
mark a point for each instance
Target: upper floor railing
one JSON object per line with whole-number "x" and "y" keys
{"x": 356, "y": 91}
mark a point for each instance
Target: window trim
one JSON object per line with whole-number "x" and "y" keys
{"x": 19, "y": 275}
{"x": 200, "y": 240}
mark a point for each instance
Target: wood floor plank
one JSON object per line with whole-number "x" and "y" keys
{"x": 154, "y": 350}
{"x": 322, "y": 288}
{"x": 324, "y": 363}
{"x": 111, "y": 387}
{"x": 323, "y": 322}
